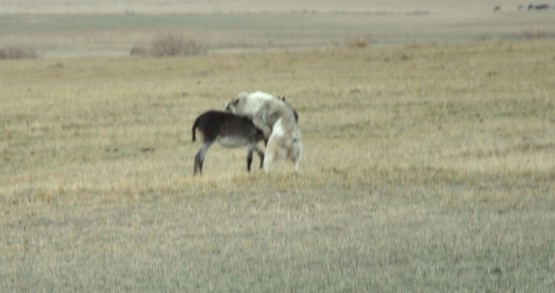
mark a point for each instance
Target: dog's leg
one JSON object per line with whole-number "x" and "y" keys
{"x": 297, "y": 153}
{"x": 294, "y": 149}
{"x": 274, "y": 152}
{"x": 270, "y": 153}
{"x": 268, "y": 160}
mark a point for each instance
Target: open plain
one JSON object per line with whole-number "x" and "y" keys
{"x": 426, "y": 168}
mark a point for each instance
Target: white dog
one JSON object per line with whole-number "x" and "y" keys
{"x": 277, "y": 120}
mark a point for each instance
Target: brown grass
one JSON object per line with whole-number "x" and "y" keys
{"x": 425, "y": 168}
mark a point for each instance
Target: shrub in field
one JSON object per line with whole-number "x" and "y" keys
{"x": 356, "y": 42}
{"x": 170, "y": 45}
{"x": 17, "y": 53}
{"x": 140, "y": 50}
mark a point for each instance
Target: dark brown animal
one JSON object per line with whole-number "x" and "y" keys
{"x": 231, "y": 131}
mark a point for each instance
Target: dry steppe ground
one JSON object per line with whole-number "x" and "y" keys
{"x": 425, "y": 168}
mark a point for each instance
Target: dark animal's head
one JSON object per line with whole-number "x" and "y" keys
{"x": 237, "y": 104}
{"x": 231, "y": 106}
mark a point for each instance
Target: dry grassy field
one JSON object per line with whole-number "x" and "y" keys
{"x": 425, "y": 168}
{"x": 428, "y": 161}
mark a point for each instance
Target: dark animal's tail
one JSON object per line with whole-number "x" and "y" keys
{"x": 195, "y": 129}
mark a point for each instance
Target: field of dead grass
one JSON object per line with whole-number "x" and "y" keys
{"x": 425, "y": 168}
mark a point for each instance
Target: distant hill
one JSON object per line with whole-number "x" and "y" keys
{"x": 225, "y": 6}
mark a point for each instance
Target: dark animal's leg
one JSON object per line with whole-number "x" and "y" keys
{"x": 249, "y": 159}
{"x": 252, "y": 149}
{"x": 260, "y": 155}
{"x": 259, "y": 121}
{"x": 199, "y": 158}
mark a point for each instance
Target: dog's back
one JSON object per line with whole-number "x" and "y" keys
{"x": 278, "y": 121}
